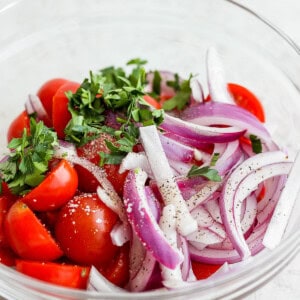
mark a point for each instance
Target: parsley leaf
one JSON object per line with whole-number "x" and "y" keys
{"x": 256, "y": 144}
{"x": 27, "y": 162}
{"x": 182, "y": 96}
{"x": 214, "y": 159}
{"x": 210, "y": 174}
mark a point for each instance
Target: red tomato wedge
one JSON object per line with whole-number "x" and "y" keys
{"x": 203, "y": 271}
{"x": 60, "y": 274}
{"x": 154, "y": 103}
{"x": 60, "y": 113}
{"x": 56, "y": 189}
{"x": 27, "y": 236}
{"x": 83, "y": 230}
{"x": 245, "y": 99}
{"x": 17, "y": 126}
{"x": 7, "y": 257}
{"x": 46, "y": 93}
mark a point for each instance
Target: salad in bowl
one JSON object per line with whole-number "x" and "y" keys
{"x": 133, "y": 181}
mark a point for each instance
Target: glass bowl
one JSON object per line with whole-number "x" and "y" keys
{"x": 46, "y": 39}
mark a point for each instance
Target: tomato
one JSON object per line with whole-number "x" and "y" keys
{"x": 90, "y": 151}
{"x": 65, "y": 275}
{"x": 7, "y": 256}
{"x": 117, "y": 271}
{"x": 83, "y": 230}
{"x": 203, "y": 271}
{"x": 246, "y": 99}
{"x": 153, "y": 102}
{"x": 60, "y": 113}
{"x": 17, "y": 126}
{"x": 6, "y": 201}
{"x": 46, "y": 93}
{"x": 27, "y": 236}
{"x": 55, "y": 190}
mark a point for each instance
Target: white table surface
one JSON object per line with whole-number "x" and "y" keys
{"x": 285, "y": 15}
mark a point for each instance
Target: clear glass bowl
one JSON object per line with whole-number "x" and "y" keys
{"x": 45, "y": 39}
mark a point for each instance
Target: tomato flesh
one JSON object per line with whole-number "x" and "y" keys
{"x": 203, "y": 271}
{"x": 83, "y": 230}
{"x": 56, "y": 189}
{"x": 27, "y": 236}
{"x": 60, "y": 113}
{"x": 65, "y": 275}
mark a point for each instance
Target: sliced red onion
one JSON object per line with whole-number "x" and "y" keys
{"x": 202, "y": 216}
{"x": 197, "y": 90}
{"x": 282, "y": 212}
{"x": 186, "y": 267}
{"x": 165, "y": 180}
{"x": 204, "y": 236}
{"x": 249, "y": 216}
{"x": 167, "y": 224}
{"x": 212, "y": 205}
{"x": 120, "y": 234}
{"x": 203, "y": 194}
{"x": 97, "y": 282}
{"x": 235, "y": 190}
{"x": 216, "y": 113}
{"x": 34, "y": 105}
{"x": 179, "y": 168}
{"x": 135, "y": 160}
{"x": 218, "y": 229}
{"x": 144, "y": 223}
{"x": 217, "y": 84}
{"x": 153, "y": 203}
{"x": 199, "y": 132}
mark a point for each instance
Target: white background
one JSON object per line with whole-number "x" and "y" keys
{"x": 285, "y": 14}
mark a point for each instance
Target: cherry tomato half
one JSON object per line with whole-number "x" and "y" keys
{"x": 17, "y": 126}
{"x": 56, "y": 189}
{"x": 83, "y": 230}
{"x": 60, "y": 274}
{"x": 245, "y": 99}
{"x": 60, "y": 113}
{"x": 203, "y": 271}
{"x": 46, "y": 93}
{"x": 27, "y": 236}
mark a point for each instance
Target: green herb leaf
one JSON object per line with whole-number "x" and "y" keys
{"x": 214, "y": 159}
{"x": 210, "y": 174}
{"x": 28, "y": 160}
{"x": 256, "y": 144}
{"x": 156, "y": 82}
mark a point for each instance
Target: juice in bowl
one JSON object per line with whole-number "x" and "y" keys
{"x": 172, "y": 222}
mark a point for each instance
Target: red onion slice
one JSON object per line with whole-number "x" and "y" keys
{"x": 165, "y": 181}
{"x": 144, "y": 223}
{"x": 34, "y": 105}
{"x": 199, "y": 132}
{"x": 215, "y": 76}
{"x": 197, "y": 91}
{"x": 281, "y": 215}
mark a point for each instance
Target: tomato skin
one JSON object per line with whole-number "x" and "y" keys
{"x": 150, "y": 100}
{"x": 90, "y": 151}
{"x": 27, "y": 236}
{"x": 203, "y": 271}
{"x": 117, "y": 271}
{"x": 60, "y": 113}
{"x": 56, "y": 189}
{"x": 65, "y": 275}
{"x": 17, "y": 126}
{"x": 83, "y": 230}
{"x": 46, "y": 93}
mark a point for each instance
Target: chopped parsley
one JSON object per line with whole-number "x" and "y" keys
{"x": 214, "y": 159}
{"x": 207, "y": 172}
{"x": 256, "y": 144}
{"x": 27, "y": 163}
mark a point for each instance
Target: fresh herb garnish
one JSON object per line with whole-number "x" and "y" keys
{"x": 256, "y": 144}
{"x": 111, "y": 90}
{"x": 182, "y": 96}
{"x": 156, "y": 83}
{"x": 214, "y": 159}
{"x": 207, "y": 172}
{"x": 27, "y": 162}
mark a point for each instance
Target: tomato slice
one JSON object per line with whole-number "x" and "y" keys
{"x": 154, "y": 103}
{"x": 27, "y": 236}
{"x": 118, "y": 270}
{"x": 57, "y": 188}
{"x": 7, "y": 256}
{"x": 83, "y": 230}
{"x": 46, "y": 93}
{"x": 17, "y": 126}
{"x": 203, "y": 271}
{"x": 60, "y": 113}
{"x": 245, "y": 99}
{"x": 65, "y": 275}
